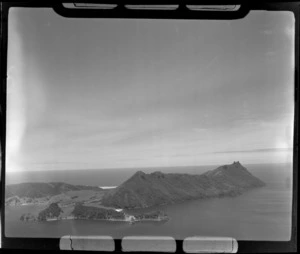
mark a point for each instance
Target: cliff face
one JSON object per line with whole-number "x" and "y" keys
{"x": 145, "y": 190}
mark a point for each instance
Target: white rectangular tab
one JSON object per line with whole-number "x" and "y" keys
{"x": 148, "y": 243}
{"x": 198, "y": 244}
{"x": 65, "y": 243}
{"x": 89, "y": 243}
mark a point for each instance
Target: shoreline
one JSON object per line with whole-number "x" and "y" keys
{"x": 117, "y": 220}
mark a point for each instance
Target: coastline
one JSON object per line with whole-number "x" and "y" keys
{"x": 119, "y": 220}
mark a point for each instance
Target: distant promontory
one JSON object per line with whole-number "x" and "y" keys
{"x": 146, "y": 190}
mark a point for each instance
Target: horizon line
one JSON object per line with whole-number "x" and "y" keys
{"x": 147, "y": 167}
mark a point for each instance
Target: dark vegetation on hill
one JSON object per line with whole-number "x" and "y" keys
{"x": 146, "y": 190}
{"x": 39, "y": 190}
{"x": 28, "y": 217}
{"x": 52, "y": 211}
{"x": 88, "y": 212}
{"x": 155, "y": 215}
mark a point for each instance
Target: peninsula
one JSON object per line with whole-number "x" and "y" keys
{"x": 146, "y": 190}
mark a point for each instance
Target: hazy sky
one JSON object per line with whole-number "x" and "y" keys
{"x": 94, "y": 93}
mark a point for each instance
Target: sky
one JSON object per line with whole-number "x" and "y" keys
{"x": 102, "y": 93}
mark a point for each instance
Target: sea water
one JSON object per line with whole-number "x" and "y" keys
{"x": 259, "y": 214}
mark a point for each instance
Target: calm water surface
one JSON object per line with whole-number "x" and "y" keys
{"x": 259, "y": 214}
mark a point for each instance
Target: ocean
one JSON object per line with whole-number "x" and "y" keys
{"x": 259, "y": 214}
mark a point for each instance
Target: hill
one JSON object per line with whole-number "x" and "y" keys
{"x": 145, "y": 190}
{"x": 88, "y": 212}
{"x": 40, "y": 190}
{"x": 52, "y": 211}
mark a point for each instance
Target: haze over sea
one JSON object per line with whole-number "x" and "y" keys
{"x": 259, "y": 214}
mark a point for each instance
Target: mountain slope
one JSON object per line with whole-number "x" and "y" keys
{"x": 145, "y": 190}
{"x": 39, "y": 190}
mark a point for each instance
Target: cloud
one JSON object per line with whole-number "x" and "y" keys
{"x": 141, "y": 137}
{"x": 201, "y": 130}
{"x": 289, "y": 149}
{"x": 16, "y": 103}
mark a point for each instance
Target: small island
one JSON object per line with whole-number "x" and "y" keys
{"x": 80, "y": 212}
